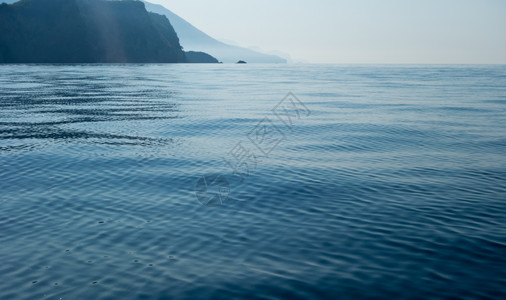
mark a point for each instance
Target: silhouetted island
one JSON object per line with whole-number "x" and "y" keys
{"x": 242, "y": 62}
{"x": 89, "y": 31}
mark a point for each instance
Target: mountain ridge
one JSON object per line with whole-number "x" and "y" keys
{"x": 193, "y": 38}
{"x": 195, "y": 41}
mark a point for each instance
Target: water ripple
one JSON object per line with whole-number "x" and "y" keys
{"x": 392, "y": 188}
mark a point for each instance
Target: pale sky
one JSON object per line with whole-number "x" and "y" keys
{"x": 357, "y": 31}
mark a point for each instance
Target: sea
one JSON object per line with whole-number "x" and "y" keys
{"x": 194, "y": 181}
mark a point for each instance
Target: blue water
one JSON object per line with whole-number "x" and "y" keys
{"x": 390, "y": 182}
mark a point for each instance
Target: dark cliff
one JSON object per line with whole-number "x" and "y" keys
{"x": 86, "y": 31}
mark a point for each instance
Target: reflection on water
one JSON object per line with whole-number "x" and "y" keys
{"x": 393, "y": 188}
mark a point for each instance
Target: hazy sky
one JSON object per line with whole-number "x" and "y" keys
{"x": 358, "y": 31}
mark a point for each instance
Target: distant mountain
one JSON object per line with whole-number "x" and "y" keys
{"x": 193, "y": 39}
{"x": 87, "y": 31}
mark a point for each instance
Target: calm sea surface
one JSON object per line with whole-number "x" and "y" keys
{"x": 367, "y": 182}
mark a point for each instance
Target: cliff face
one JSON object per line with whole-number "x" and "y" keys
{"x": 42, "y": 31}
{"x": 86, "y": 31}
